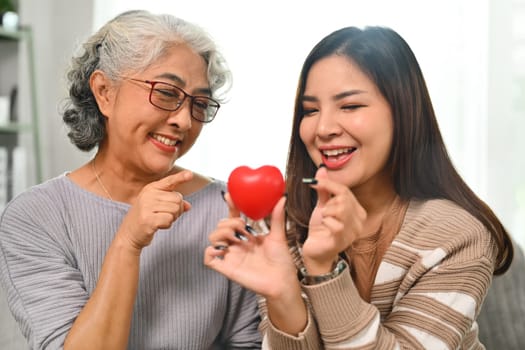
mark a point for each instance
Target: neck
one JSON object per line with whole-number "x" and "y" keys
{"x": 99, "y": 180}
{"x": 121, "y": 181}
{"x": 376, "y": 199}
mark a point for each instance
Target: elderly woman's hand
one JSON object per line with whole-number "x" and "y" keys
{"x": 157, "y": 206}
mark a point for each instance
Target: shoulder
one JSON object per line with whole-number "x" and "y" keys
{"x": 200, "y": 185}
{"x": 435, "y": 210}
{"x": 441, "y": 216}
{"x": 440, "y": 223}
{"x": 49, "y": 205}
{"x": 212, "y": 188}
{"x": 40, "y": 198}
{"x": 37, "y": 214}
{"x": 209, "y": 199}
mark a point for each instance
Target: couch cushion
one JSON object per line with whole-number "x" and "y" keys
{"x": 502, "y": 318}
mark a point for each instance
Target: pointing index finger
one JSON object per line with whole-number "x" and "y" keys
{"x": 170, "y": 182}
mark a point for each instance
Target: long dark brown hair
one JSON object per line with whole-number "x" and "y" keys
{"x": 420, "y": 164}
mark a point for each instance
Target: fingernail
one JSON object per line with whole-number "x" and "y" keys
{"x": 322, "y": 165}
{"x": 221, "y": 247}
{"x": 309, "y": 181}
{"x": 240, "y": 236}
{"x": 250, "y": 229}
{"x": 223, "y": 194}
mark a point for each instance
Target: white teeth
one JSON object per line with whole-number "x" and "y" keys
{"x": 336, "y": 152}
{"x": 165, "y": 140}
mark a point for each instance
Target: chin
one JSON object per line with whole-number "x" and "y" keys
{"x": 160, "y": 168}
{"x": 340, "y": 178}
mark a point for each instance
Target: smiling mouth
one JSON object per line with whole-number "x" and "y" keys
{"x": 164, "y": 140}
{"x": 336, "y": 153}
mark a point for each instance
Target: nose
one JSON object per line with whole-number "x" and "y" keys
{"x": 328, "y": 125}
{"x": 181, "y": 118}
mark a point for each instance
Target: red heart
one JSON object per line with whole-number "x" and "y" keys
{"x": 255, "y": 192}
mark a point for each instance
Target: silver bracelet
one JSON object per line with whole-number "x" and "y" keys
{"x": 310, "y": 280}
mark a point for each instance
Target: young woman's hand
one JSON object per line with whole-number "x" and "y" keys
{"x": 261, "y": 263}
{"x": 336, "y": 221}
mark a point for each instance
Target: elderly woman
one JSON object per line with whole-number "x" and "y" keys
{"x": 109, "y": 256}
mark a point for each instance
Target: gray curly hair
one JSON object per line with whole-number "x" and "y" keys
{"x": 132, "y": 41}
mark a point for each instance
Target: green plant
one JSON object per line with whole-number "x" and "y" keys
{"x": 6, "y": 5}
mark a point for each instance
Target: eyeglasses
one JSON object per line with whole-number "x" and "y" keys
{"x": 169, "y": 97}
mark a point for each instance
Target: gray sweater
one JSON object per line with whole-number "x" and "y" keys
{"x": 53, "y": 239}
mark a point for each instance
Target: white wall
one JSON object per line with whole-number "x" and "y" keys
{"x": 506, "y": 110}
{"x": 266, "y": 42}
{"x": 462, "y": 46}
{"x": 465, "y": 49}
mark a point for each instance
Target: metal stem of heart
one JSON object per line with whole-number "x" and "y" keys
{"x": 257, "y": 227}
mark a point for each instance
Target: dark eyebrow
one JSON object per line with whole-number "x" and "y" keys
{"x": 347, "y": 93}
{"x": 307, "y": 98}
{"x": 179, "y": 82}
{"x": 339, "y": 96}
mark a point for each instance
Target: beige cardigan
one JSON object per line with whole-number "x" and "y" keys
{"x": 427, "y": 292}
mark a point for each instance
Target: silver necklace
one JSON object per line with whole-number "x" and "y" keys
{"x": 98, "y": 179}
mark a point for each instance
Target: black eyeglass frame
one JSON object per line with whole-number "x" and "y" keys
{"x": 192, "y": 98}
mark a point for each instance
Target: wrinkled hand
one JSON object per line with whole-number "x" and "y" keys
{"x": 336, "y": 221}
{"x": 157, "y": 207}
{"x": 262, "y": 264}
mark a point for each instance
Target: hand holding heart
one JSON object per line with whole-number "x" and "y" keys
{"x": 262, "y": 263}
{"x": 255, "y": 192}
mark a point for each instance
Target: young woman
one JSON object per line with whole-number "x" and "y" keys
{"x": 392, "y": 248}
{"x": 109, "y": 256}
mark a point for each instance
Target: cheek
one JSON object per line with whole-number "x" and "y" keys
{"x": 191, "y": 137}
{"x": 383, "y": 140}
{"x": 388, "y": 145}
{"x": 307, "y": 135}
{"x": 306, "y": 131}
{"x": 387, "y": 127}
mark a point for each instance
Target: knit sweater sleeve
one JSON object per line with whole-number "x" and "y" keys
{"x": 427, "y": 292}
{"x": 45, "y": 290}
{"x": 274, "y": 339}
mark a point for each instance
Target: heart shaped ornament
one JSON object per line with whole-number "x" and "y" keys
{"x": 256, "y": 191}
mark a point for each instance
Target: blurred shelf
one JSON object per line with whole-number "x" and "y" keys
{"x": 11, "y": 35}
{"x": 13, "y": 128}
{"x": 17, "y": 52}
